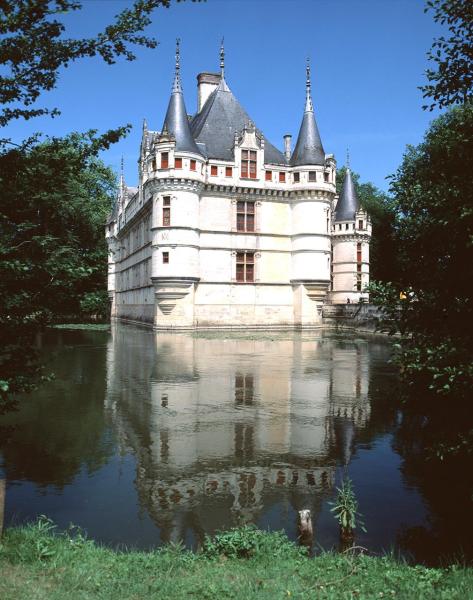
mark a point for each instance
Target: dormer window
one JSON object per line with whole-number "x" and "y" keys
{"x": 326, "y": 177}
{"x": 193, "y": 165}
{"x": 282, "y": 177}
{"x": 268, "y": 175}
{"x": 178, "y": 163}
{"x": 228, "y": 172}
{"x": 164, "y": 160}
{"x": 248, "y": 164}
{"x": 213, "y": 170}
{"x": 297, "y": 177}
{"x": 312, "y": 176}
{"x": 360, "y": 224}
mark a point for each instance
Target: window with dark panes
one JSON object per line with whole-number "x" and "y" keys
{"x": 360, "y": 224}
{"x": 245, "y": 266}
{"x": 178, "y": 163}
{"x": 297, "y": 177}
{"x": 312, "y": 176}
{"x": 165, "y": 257}
{"x": 248, "y": 164}
{"x": 164, "y": 160}
{"x": 358, "y": 253}
{"x": 245, "y": 216}
{"x": 166, "y": 211}
{"x": 326, "y": 177}
{"x": 244, "y": 388}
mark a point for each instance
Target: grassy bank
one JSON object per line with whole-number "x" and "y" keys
{"x": 35, "y": 564}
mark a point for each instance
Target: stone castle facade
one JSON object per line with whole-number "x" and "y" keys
{"x": 224, "y": 230}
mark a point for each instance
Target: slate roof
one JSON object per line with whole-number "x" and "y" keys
{"x": 176, "y": 122}
{"x": 308, "y": 149}
{"x": 215, "y": 125}
{"x": 348, "y": 203}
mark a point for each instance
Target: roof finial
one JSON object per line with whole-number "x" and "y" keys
{"x": 177, "y": 73}
{"x": 308, "y": 98}
{"x": 222, "y": 59}
{"x": 122, "y": 175}
{"x": 348, "y": 159}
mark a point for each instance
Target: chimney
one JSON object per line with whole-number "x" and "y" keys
{"x": 287, "y": 145}
{"x": 206, "y": 83}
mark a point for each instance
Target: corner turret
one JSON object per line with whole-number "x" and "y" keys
{"x": 308, "y": 149}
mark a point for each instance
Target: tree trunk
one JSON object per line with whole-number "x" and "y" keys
{"x": 2, "y": 503}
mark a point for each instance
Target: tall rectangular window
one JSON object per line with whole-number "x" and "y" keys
{"x": 178, "y": 163}
{"x": 358, "y": 253}
{"x": 244, "y": 389}
{"x": 268, "y": 175}
{"x": 326, "y": 177}
{"x": 282, "y": 177}
{"x": 193, "y": 165}
{"x": 245, "y": 266}
{"x": 166, "y": 211}
{"x": 164, "y": 160}
{"x": 312, "y": 176}
{"x": 245, "y": 216}
{"x": 213, "y": 170}
{"x": 297, "y": 177}
{"x": 248, "y": 163}
{"x": 228, "y": 171}
{"x": 360, "y": 224}
{"x": 165, "y": 258}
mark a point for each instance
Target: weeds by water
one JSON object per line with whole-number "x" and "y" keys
{"x": 83, "y": 326}
{"x": 37, "y": 562}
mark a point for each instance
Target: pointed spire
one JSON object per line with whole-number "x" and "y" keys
{"x": 308, "y": 149}
{"x": 145, "y": 125}
{"x": 122, "y": 175}
{"x": 222, "y": 59}
{"x": 348, "y": 203}
{"x": 176, "y": 86}
{"x": 348, "y": 159}
{"x": 176, "y": 122}
{"x": 309, "y": 107}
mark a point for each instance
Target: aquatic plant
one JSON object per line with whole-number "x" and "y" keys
{"x": 345, "y": 510}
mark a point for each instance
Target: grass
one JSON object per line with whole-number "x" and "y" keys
{"x": 35, "y": 564}
{"x": 83, "y": 326}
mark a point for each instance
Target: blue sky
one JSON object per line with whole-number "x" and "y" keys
{"x": 368, "y": 59}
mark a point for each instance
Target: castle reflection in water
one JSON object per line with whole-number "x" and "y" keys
{"x": 227, "y": 427}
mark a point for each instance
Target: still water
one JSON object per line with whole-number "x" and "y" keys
{"x": 145, "y": 438}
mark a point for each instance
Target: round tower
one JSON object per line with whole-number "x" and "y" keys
{"x": 313, "y": 191}
{"x": 176, "y": 183}
{"x": 351, "y": 235}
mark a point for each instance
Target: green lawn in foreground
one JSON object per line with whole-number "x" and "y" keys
{"x": 36, "y": 565}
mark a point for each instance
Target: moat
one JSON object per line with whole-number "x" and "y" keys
{"x": 144, "y": 438}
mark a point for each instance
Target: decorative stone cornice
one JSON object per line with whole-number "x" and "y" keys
{"x": 173, "y": 184}
{"x": 168, "y": 290}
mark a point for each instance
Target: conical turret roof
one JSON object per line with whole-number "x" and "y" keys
{"x": 348, "y": 203}
{"x": 176, "y": 122}
{"x": 308, "y": 149}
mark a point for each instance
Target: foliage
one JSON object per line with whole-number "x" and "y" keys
{"x": 34, "y": 48}
{"x": 345, "y": 508}
{"x": 379, "y": 206}
{"x": 55, "y": 196}
{"x": 431, "y": 303}
{"x": 80, "y": 569}
{"x": 451, "y": 80}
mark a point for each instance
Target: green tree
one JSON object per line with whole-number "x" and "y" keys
{"x": 451, "y": 79}
{"x": 434, "y": 233}
{"x": 55, "y": 198}
{"x": 34, "y": 48}
{"x": 380, "y": 207}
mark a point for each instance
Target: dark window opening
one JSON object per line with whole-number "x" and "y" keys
{"x": 178, "y": 163}
{"x": 165, "y": 258}
{"x": 297, "y": 177}
{"x": 312, "y": 176}
{"x": 248, "y": 163}
{"x": 164, "y": 160}
{"x": 245, "y": 266}
{"x": 245, "y": 216}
